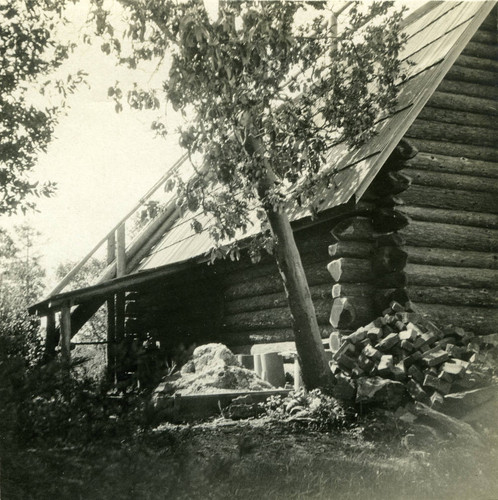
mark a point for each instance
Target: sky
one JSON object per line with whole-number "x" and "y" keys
{"x": 102, "y": 162}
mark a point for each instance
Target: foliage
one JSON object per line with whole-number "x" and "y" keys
{"x": 30, "y": 52}
{"x": 313, "y": 410}
{"x": 256, "y": 72}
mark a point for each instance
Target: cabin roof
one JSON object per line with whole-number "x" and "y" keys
{"x": 437, "y": 33}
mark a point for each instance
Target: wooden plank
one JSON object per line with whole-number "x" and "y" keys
{"x": 453, "y": 117}
{"x": 450, "y": 257}
{"x": 435, "y": 234}
{"x": 121, "y": 251}
{"x": 65, "y": 322}
{"x": 459, "y": 217}
{"x": 463, "y": 103}
{"x": 457, "y": 199}
{"x": 455, "y": 165}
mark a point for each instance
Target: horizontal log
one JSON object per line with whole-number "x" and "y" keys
{"x": 387, "y": 220}
{"x": 458, "y": 102}
{"x": 456, "y": 118}
{"x": 455, "y": 181}
{"x": 454, "y": 296}
{"x": 388, "y": 260}
{"x": 479, "y": 320}
{"x": 459, "y": 217}
{"x": 462, "y": 134}
{"x": 351, "y": 312}
{"x": 477, "y": 63}
{"x": 358, "y": 249}
{"x": 452, "y": 164}
{"x": 466, "y": 74}
{"x": 489, "y": 24}
{"x": 383, "y": 297}
{"x": 272, "y": 300}
{"x": 459, "y": 277}
{"x": 388, "y": 240}
{"x": 316, "y": 274}
{"x": 272, "y": 318}
{"x": 481, "y": 50}
{"x": 448, "y": 257}
{"x": 434, "y": 234}
{"x": 469, "y": 89}
{"x": 457, "y": 199}
{"x": 391, "y": 280}
{"x": 387, "y": 184}
{"x": 353, "y": 229}
{"x": 239, "y": 339}
{"x": 349, "y": 270}
{"x": 352, "y": 290}
{"x": 484, "y": 36}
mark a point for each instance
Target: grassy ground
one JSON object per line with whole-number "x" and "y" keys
{"x": 256, "y": 460}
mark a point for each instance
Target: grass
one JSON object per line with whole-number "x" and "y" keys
{"x": 254, "y": 460}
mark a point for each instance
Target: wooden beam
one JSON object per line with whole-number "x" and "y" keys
{"x": 111, "y": 317}
{"x": 66, "y": 333}
{"x": 51, "y": 337}
{"x": 121, "y": 251}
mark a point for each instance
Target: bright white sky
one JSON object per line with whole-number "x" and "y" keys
{"x": 102, "y": 162}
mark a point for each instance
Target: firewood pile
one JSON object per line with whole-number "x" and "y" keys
{"x": 401, "y": 356}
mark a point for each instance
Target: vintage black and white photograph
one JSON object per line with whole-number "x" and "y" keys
{"x": 248, "y": 250}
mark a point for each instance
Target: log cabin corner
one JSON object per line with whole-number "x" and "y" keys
{"x": 413, "y": 217}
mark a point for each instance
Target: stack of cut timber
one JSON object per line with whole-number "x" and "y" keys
{"x": 404, "y": 354}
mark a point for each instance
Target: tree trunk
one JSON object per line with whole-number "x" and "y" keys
{"x": 309, "y": 346}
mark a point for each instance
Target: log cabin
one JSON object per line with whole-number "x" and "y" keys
{"x": 412, "y": 216}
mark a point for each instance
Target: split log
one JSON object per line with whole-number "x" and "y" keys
{"x": 485, "y": 153}
{"x": 351, "y": 312}
{"x": 386, "y": 184}
{"x": 452, "y": 164}
{"x": 457, "y": 217}
{"x": 271, "y": 301}
{"x": 468, "y": 89}
{"x": 272, "y": 318}
{"x": 460, "y": 277}
{"x": 454, "y": 296}
{"x": 352, "y": 290}
{"x": 361, "y": 250}
{"x": 463, "y": 103}
{"x": 387, "y": 220}
{"x": 462, "y": 134}
{"x": 388, "y": 259}
{"x": 353, "y": 229}
{"x": 479, "y": 320}
{"x": 466, "y": 74}
{"x": 457, "y": 199}
{"x": 435, "y": 234}
{"x": 316, "y": 274}
{"x": 451, "y": 181}
{"x": 349, "y": 270}
{"x": 449, "y": 257}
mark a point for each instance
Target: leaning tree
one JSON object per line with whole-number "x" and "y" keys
{"x": 266, "y": 89}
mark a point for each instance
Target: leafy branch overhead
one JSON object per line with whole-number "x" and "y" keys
{"x": 272, "y": 71}
{"x": 30, "y": 53}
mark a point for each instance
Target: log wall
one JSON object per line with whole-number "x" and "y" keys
{"x": 452, "y": 240}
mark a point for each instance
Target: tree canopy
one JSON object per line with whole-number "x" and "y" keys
{"x": 30, "y": 52}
